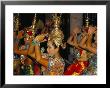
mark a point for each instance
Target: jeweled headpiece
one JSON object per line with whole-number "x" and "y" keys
{"x": 56, "y": 34}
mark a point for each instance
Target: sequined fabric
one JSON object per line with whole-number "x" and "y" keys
{"x": 27, "y": 70}
{"x": 92, "y": 68}
{"x": 55, "y": 67}
{"x": 76, "y": 68}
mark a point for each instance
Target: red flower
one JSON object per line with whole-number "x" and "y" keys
{"x": 29, "y": 33}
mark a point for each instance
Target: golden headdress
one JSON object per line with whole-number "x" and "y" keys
{"x": 56, "y": 34}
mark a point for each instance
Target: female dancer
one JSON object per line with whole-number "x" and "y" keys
{"x": 81, "y": 63}
{"x": 52, "y": 62}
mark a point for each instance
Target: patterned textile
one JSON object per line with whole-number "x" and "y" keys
{"x": 92, "y": 68}
{"x": 76, "y": 68}
{"x": 55, "y": 67}
{"x": 27, "y": 70}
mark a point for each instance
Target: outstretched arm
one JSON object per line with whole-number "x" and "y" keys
{"x": 75, "y": 42}
{"x": 91, "y": 31}
{"x": 39, "y": 58}
{"x": 82, "y": 43}
{"x": 37, "y": 53}
{"x": 17, "y": 51}
{"x": 69, "y": 41}
{"x": 31, "y": 51}
{"x": 89, "y": 44}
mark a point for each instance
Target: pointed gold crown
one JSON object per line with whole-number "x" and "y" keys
{"x": 33, "y": 25}
{"x": 56, "y": 34}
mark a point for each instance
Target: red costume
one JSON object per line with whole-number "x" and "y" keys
{"x": 36, "y": 70}
{"x": 76, "y": 68}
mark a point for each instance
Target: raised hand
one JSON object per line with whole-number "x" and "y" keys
{"x": 41, "y": 37}
{"x": 20, "y": 34}
{"x": 91, "y": 30}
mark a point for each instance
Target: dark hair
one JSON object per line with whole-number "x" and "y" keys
{"x": 61, "y": 50}
{"x": 93, "y": 38}
{"x": 21, "y": 42}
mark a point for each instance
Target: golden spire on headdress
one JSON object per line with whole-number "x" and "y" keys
{"x": 57, "y": 35}
{"x": 16, "y": 22}
{"x": 33, "y": 25}
{"x": 31, "y": 33}
{"x": 87, "y": 21}
{"x": 34, "y": 22}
